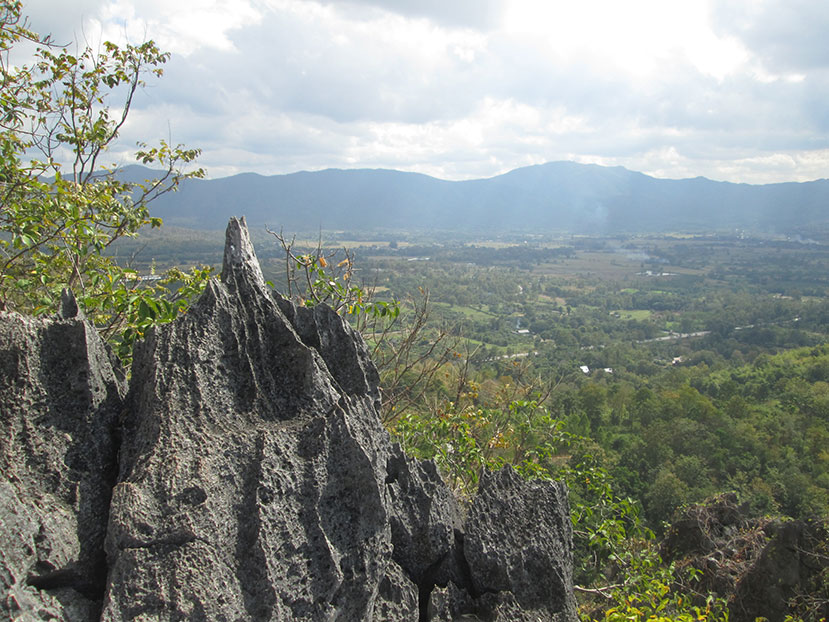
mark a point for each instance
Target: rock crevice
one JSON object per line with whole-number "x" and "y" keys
{"x": 245, "y": 475}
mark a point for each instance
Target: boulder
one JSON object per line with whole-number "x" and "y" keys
{"x": 518, "y": 547}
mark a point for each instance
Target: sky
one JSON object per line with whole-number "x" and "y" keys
{"x": 732, "y": 90}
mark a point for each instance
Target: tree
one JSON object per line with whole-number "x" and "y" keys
{"x": 61, "y": 207}
{"x": 593, "y": 398}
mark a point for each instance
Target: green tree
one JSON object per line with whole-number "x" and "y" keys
{"x": 593, "y": 398}
{"x": 61, "y": 206}
{"x": 665, "y": 495}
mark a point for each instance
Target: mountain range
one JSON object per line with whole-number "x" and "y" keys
{"x": 552, "y": 197}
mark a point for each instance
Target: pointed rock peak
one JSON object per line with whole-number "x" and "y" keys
{"x": 240, "y": 258}
{"x": 69, "y": 309}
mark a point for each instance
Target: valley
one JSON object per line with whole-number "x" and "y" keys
{"x": 674, "y": 331}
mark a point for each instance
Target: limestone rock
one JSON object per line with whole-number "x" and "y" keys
{"x": 518, "y": 545}
{"x": 60, "y": 398}
{"x": 245, "y": 476}
{"x": 247, "y": 469}
{"x": 425, "y": 518}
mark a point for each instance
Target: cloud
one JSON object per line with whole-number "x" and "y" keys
{"x": 62, "y": 20}
{"x": 785, "y": 35}
{"x": 476, "y": 14}
{"x": 311, "y": 60}
{"x": 182, "y": 27}
{"x": 474, "y": 88}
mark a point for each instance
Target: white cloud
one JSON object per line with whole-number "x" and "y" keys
{"x": 476, "y": 14}
{"x": 181, "y": 27}
{"x": 640, "y": 38}
{"x": 785, "y": 35}
{"x": 732, "y": 90}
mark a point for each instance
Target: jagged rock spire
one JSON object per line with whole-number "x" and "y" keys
{"x": 69, "y": 308}
{"x": 239, "y": 257}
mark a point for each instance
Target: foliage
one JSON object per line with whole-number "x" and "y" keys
{"x": 611, "y": 541}
{"x": 465, "y": 437}
{"x": 61, "y": 209}
{"x": 612, "y": 544}
{"x": 678, "y": 418}
{"x": 656, "y": 603}
{"x": 408, "y": 353}
{"x": 313, "y": 278}
{"x": 124, "y": 307}
{"x": 464, "y": 442}
{"x": 665, "y": 435}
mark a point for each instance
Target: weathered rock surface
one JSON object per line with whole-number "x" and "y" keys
{"x": 254, "y": 480}
{"x": 59, "y": 405}
{"x": 516, "y": 543}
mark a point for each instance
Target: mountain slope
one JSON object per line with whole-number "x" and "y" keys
{"x": 558, "y": 196}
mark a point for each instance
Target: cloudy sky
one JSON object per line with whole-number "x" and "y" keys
{"x": 734, "y": 90}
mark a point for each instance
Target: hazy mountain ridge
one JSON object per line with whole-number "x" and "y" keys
{"x": 557, "y": 196}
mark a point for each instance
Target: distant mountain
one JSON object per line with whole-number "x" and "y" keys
{"x": 558, "y": 196}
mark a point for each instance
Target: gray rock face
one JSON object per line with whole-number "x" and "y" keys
{"x": 253, "y": 481}
{"x": 518, "y": 544}
{"x": 59, "y": 404}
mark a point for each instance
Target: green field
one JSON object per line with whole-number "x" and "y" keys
{"x": 633, "y": 314}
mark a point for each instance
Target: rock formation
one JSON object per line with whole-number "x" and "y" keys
{"x": 245, "y": 475}
{"x": 764, "y": 567}
{"x": 59, "y": 406}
